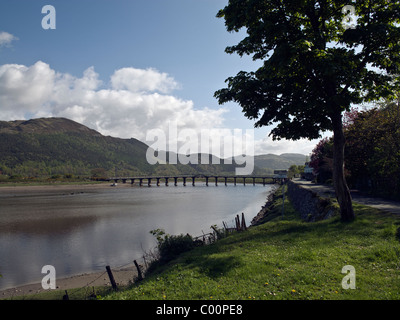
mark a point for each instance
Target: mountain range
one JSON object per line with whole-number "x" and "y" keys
{"x": 49, "y": 147}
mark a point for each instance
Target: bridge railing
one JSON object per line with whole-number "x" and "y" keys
{"x": 208, "y": 178}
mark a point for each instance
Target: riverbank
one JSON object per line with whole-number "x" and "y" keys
{"x": 286, "y": 258}
{"x": 122, "y": 275}
{"x": 18, "y": 189}
{"x": 77, "y": 281}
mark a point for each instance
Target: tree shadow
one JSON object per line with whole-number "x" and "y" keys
{"x": 215, "y": 267}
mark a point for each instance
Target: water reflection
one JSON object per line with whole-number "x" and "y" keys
{"x": 83, "y": 232}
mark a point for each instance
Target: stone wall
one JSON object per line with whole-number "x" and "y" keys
{"x": 311, "y": 206}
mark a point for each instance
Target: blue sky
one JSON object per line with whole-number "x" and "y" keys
{"x": 180, "y": 43}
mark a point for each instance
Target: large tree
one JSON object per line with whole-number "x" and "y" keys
{"x": 316, "y": 64}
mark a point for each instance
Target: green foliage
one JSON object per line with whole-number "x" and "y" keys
{"x": 314, "y": 68}
{"x": 285, "y": 258}
{"x": 306, "y": 81}
{"x": 372, "y": 153}
{"x": 322, "y": 160}
{"x": 373, "y": 150}
{"x": 69, "y": 153}
{"x": 171, "y": 246}
{"x": 54, "y": 147}
{"x": 295, "y": 170}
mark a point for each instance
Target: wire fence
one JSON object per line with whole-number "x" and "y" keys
{"x": 108, "y": 281}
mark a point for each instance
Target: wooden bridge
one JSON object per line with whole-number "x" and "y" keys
{"x": 184, "y": 178}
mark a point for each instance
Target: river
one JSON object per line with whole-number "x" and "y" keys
{"x": 86, "y": 229}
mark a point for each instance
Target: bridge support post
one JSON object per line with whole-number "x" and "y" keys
{"x": 226, "y": 181}
{"x": 141, "y": 182}
{"x": 216, "y": 181}
{"x": 193, "y": 181}
{"x": 149, "y": 184}
{"x": 207, "y": 181}
{"x": 158, "y": 182}
{"x": 234, "y": 181}
{"x": 175, "y": 181}
{"x": 132, "y": 181}
{"x": 264, "y": 182}
{"x": 184, "y": 181}
{"x": 254, "y": 181}
{"x": 166, "y": 182}
{"x": 244, "y": 181}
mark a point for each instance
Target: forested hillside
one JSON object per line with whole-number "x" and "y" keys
{"x": 47, "y": 147}
{"x": 59, "y": 147}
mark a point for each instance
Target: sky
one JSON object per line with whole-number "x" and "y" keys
{"x": 125, "y": 67}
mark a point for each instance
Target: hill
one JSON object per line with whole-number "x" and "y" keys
{"x": 53, "y": 147}
{"x": 283, "y": 161}
{"x": 45, "y": 126}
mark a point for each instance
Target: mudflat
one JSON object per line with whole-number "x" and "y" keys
{"x": 88, "y": 280}
{"x": 122, "y": 276}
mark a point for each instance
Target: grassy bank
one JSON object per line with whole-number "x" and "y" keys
{"x": 285, "y": 258}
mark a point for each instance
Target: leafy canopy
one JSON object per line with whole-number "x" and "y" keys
{"x": 314, "y": 66}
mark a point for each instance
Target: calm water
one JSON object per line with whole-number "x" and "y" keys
{"x": 84, "y": 232}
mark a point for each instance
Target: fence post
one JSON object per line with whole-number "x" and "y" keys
{"x": 110, "y": 275}
{"x": 237, "y": 220}
{"x": 283, "y": 200}
{"x": 65, "y": 296}
{"x": 140, "y": 277}
{"x": 243, "y": 223}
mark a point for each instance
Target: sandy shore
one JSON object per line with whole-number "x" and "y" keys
{"x": 21, "y": 190}
{"x": 121, "y": 276}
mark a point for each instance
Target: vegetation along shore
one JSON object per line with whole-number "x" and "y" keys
{"x": 279, "y": 257}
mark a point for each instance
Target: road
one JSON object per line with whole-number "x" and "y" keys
{"x": 328, "y": 191}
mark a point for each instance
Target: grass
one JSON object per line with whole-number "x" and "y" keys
{"x": 86, "y": 293}
{"x": 285, "y": 258}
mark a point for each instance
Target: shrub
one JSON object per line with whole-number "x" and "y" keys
{"x": 171, "y": 246}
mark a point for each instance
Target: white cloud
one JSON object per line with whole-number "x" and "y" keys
{"x": 303, "y": 146}
{"x": 6, "y": 38}
{"x": 24, "y": 89}
{"x": 139, "y": 80}
{"x": 135, "y": 102}
{"x": 267, "y": 145}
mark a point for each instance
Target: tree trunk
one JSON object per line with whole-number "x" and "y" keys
{"x": 342, "y": 190}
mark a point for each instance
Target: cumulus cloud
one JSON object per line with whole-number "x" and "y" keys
{"x": 24, "y": 89}
{"x": 136, "y": 100}
{"x": 139, "y": 80}
{"x": 6, "y": 38}
{"x": 133, "y": 103}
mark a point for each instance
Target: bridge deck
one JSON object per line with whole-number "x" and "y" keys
{"x": 184, "y": 178}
